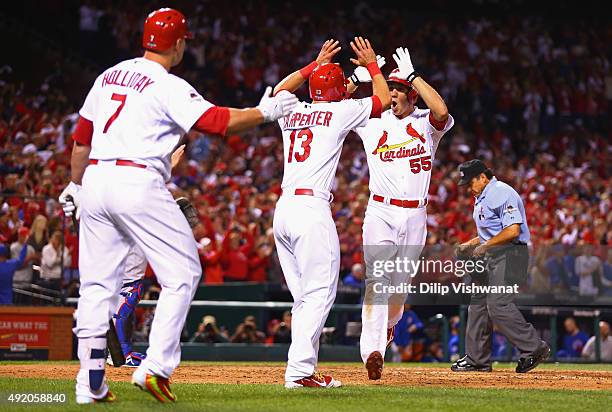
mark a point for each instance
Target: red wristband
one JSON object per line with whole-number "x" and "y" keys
{"x": 373, "y": 69}
{"x": 306, "y": 70}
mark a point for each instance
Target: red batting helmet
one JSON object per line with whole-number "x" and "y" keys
{"x": 327, "y": 83}
{"x": 162, "y": 28}
{"x": 394, "y": 78}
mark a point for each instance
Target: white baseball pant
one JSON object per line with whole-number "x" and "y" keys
{"x": 388, "y": 232}
{"x": 123, "y": 206}
{"x": 309, "y": 253}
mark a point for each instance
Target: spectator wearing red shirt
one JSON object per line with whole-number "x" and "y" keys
{"x": 259, "y": 262}
{"x": 237, "y": 244}
{"x": 562, "y": 171}
{"x": 210, "y": 257}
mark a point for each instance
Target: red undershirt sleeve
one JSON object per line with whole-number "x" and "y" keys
{"x": 213, "y": 121}
{"x": 376, "y": 107}
{"x": 437, "y": 124}
{"x": 83, "y": 132}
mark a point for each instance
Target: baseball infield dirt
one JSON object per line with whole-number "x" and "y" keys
{"x": 348, "y": 374}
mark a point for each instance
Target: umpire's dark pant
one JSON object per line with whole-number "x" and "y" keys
{"x": 499, "y": 309}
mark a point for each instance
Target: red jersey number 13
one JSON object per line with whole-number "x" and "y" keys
{"x": 300, "y": 157}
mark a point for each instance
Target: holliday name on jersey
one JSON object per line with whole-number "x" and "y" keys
{"x": 135, "y": 80}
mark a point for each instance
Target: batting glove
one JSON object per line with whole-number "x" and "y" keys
{"x": 274, "y": 107}
{"x": 69, "y": 199}
{"x": 404, "y": 64}
{"x": 361, "y": 74}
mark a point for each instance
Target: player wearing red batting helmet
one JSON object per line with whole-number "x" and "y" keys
{"x": 400, "y": 151}
{"x": 162, "y": 28}
{"x": 304, "y": 230}
{"x": 397, "y": 83}
{"x": 135, "y": 113}
{"x": 327, "y": 83}
{"x": 164, "y": 32}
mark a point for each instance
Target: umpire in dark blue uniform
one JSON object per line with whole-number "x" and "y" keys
{"x": 502, "y": 241}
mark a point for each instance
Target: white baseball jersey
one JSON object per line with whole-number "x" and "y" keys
{"x": 400, "y": 153}
{"x": 139, "y": 112}
{"x": 312, "y": 138}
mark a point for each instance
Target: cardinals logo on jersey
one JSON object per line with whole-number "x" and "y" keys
{"x": 381, "y": 143}
{"x": 412, "y": 132}
{"x": 388, "y": 152}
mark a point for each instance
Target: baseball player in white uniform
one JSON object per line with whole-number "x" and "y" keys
{"x": 133, "y": 117}
{"x": 304, "y": 231}
{"x": 132, "y": 291}
{"x": 400, "y": 147}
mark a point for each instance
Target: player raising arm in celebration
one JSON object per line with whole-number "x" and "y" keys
{"x": 132, "y": 119}
{"x": 304, "y": 231}
{"x": 400, "y": 148}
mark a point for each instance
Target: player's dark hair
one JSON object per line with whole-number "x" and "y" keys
{"x": 488, "y": 173}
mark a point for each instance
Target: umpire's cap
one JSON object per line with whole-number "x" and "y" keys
{"x": 471, "y": 169}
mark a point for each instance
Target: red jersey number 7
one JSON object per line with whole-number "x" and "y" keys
{"x": 119, "y": 98}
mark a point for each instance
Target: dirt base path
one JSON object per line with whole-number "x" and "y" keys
{"x": 349, "y": 375}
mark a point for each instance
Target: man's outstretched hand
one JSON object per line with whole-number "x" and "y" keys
{"x": 364, "y": 52}
{"x": 328, "y": 51}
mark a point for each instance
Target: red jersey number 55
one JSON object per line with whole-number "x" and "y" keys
{"x": 420, "y": 163}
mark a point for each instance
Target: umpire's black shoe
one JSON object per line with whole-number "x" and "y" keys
{"x": 463, "y": 365}
{"x": 530, "y": 362}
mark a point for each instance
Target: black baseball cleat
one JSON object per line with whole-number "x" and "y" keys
{"x": 530, "y": 362}
{"x": 462, "y": 365}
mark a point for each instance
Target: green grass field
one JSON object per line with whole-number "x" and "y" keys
{"x": 218, "y": 397}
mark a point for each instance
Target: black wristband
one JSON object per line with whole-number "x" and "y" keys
{"x": 354, "y": 79}
{"x": 413, "y": 76}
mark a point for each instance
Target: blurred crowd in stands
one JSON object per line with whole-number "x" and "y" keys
{"x": 415, "y": 341}
{"x": 530, "y": 97}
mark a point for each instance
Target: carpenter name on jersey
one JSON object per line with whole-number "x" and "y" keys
{"x": 297, "y": 120}
{"x": 313, "y": 135}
